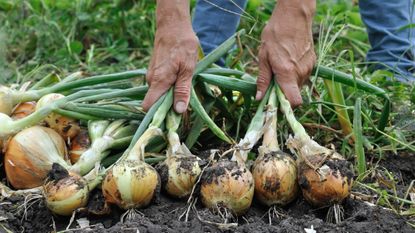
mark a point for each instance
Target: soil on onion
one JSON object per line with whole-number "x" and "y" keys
{"x": 24, "y": 214}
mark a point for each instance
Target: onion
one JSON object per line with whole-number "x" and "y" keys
{"x": 130, "y": 184}
{"x": 23, "y": 110}
{"x": 30, "y": 154}
{"x": 275, "y": 172}
{"x": 275, "y": 175}
{"x": 66, "y": 192}
{"x": 325, "y": 177}
{"x": 79, "y": 145}
{"x": 227, "y": 184}
{"x": 180, "y": 171}
{"x": 65, "y": 126}
{"x": 179, "y": 174}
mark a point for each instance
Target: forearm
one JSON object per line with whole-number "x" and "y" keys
{"x": 173, "y": 12}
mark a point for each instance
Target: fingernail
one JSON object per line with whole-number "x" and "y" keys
{"x": 258, "y": 95}
{"x": 180, "y": 107}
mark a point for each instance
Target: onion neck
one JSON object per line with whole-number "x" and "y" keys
{"x": 138, "y": 150}
{"x": 254, "y": 132}
{"x": 270, "y": 139}
{"x": 93, "y": 155}
{"x": 297, "y": 128}
{"x": 94, "y": 177}
{"x": 15, "y": 126}
{"x": 172, "y": 124}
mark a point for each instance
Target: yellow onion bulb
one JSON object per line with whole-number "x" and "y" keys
{"x": 329, "y": 185}
{"x": 229, "y": 185}
{"x": 6, "y": 100}
{"x": 66, "y": 194}
{"x": 324, "y": 176}
{"x": 275, "y": 176}
{"x": 179, "y": 174}
{"x": 65, "y": 126}
{"x": 130, "y": 184}
{"x": 79, "y": 145}
{"x": 30, "y": 154}
{"x": 23, "y": 110}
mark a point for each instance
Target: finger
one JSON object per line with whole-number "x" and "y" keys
{"x": 157, "y": 88}
{"x": 264, "y": 77}
{"x": 288, "y": 85}
{"x": 182, "y": 89}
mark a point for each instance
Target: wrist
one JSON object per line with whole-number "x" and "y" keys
{"x": 300, "y": 9}
{"x": 173, "y": 14}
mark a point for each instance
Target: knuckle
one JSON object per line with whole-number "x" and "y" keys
{"x": 286, "y": 67}
{"x": 182, "y": 90}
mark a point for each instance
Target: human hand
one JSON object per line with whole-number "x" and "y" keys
{"x": 174, "y": 57}
{"x": 287, "y": 50}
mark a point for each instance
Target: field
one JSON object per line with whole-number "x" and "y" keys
{"x": 374, "y": 131}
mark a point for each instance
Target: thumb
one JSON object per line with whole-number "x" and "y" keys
{"x": 264, "y": 77}
{"x": 182, "y": 90}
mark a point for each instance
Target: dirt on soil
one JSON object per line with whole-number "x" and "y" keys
{"x": 29, "y": 214}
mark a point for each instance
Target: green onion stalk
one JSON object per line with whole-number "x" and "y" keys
{"x": 228, "y": 183}
{"x": 132, "y": 183}
{"x": 9, "y": 126}
{"x": 180, "y": 171}
{"x": 10, "y": 98}
{"x": 104, "y": 135}
{"x": 274, "y": 172}
{"x": 324, "y": 176}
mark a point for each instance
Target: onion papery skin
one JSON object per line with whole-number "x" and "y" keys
{"x": 275, "y": 176}
{"x": 66, "y": 195}
{"x": 79, "y": 145}
{"x": 131, "y": 184}
{"x": 23, "y": 110}
{"x": 6, "y": 100}
{"x": 179, "y": 174}
{"x": 65, "y": 126}
{"x": 329, "y": 185}
{"x": 227, "y": 184}
{"x": 30, "y": 154}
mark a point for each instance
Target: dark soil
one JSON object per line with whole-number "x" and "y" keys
{"x": 163, "y": 215}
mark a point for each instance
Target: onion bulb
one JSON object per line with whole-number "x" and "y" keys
{"x": 180, "y": 171}
{"x": 327, "y": 184}
{"x": 179, "y": 174}
{"x": 23, "y": 110}
{"x": 79, "y": 145}
{"x": 6, "y": 100}
{"x": 275, "y": 175}
{"x": 227, "y": 184}
{"x": 130, "y": 184}
{"x": 65, "y": 193}
{"x": 65, "y": 126}
{"x": 30, "y": 154}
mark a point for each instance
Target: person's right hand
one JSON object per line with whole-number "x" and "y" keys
{"x": 173, "y": 61}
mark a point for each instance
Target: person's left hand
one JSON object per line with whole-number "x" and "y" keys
{"x": 287, "y": 49}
